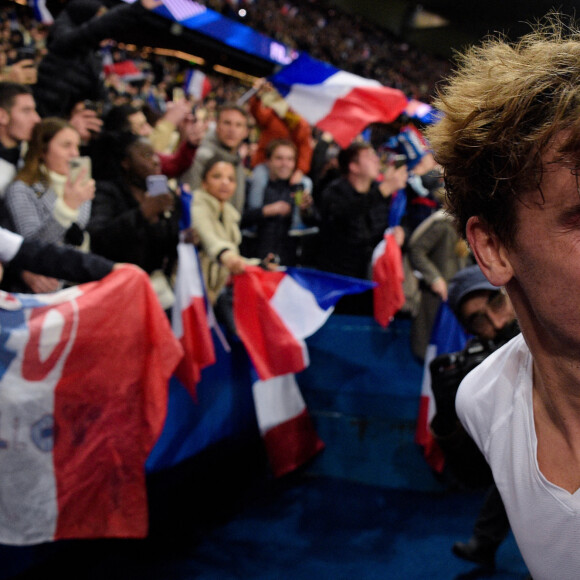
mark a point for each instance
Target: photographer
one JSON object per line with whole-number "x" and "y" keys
{"x": 486, "y": 312}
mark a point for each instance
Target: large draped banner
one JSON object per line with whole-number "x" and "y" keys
{"x": 83, "y": 397}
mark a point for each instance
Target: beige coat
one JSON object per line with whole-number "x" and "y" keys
{"x": 216, "y": 235}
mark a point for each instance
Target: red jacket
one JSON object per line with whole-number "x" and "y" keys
{"x": 273, "y": 127}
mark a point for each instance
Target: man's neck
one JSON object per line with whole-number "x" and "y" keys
{"x": 10, "y": 151}
{"x": 8, "y": 142}
{"x": 360, "y": 184}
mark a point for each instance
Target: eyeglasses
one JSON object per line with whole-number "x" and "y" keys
{"x": 480, "y": 322}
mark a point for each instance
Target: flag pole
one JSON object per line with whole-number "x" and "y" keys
{"x": 247, "y": 96}
{"x": 251, "y": 92}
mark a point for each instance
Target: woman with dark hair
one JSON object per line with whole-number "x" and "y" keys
{"x": 128, "y": 223}
{"x": 216, "y": 222}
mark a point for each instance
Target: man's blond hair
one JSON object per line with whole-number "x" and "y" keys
{"x": 502, "y": 108}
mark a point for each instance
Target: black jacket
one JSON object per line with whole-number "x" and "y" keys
{"x": 71, "y": 71}
{"x": 60, "y": 262}
{"x": 352, "y": 224}
{"x": 55, "y": 261}
{"x": 120, "y": 232}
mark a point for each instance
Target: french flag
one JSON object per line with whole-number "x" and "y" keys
{"x": 126, "y": 70}
{"x": 275, "y": 311}
{"x": 447, "y": 336}
{"x": 422, "y": 112}
{"x": 336, "y": 101}
{"x": 83, "y": 398}
{"x": 387, "y": 267}
{"x": 41, "y": 11}
{"x": 190, "y": 319}
{"x": 287, "y": 430}
{"x": 197, "y": 84}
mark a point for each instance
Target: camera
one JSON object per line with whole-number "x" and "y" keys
{"x": 447, "y": 372}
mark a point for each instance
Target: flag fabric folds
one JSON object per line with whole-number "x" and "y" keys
{"x": 275, "y": 311}
{"x": 387, "y": 264}
{"x": 41, "y": 11}
{"x": 447, "y": 336}
{"x": 197, "y": 84}
{"x": 190, "y": 319}
{"x": 83, "y": 397}
{"x": 127, "y": 70}
{"x": 334, "y": 100}
{"x": 422, "y": 112}
{"x": 286, "y": 427}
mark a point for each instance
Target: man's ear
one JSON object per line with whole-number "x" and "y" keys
{"x": 489, "y": 251}
{"x": 4, "y": 117}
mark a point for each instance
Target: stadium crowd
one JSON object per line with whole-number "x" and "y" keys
{"x": 268, "y": 188}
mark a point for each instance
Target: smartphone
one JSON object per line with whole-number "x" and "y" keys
{"x": 157, "y": 184}
{"x": 77, "y": 164}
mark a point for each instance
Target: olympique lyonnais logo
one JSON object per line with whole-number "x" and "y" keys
{"x": 34, "y": 345}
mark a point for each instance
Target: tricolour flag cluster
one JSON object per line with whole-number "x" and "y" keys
{"x": 274, "y": 313}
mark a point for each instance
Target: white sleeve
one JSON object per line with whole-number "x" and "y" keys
{"x": 9, "y": 244}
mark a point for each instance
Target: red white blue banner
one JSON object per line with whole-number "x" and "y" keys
{"x": 83, "y": 397}
{"x": 337, "y": 101}
{"x": 275, "y": 311}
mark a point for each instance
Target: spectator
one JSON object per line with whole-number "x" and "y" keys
{"x": 216, "y": 222}
{"x": 273, "y": 220}
{"x": 230, "y": 131}
{"x": 275, "y": 120}
{"x": 18, "y": 117}
{"x": 71, "y": 71}
{"x": 44, "y": 203}
{"x": 436, "y": 253}
{"x": 127, "y": 118}
{"x": 130, "y": 225}
{"x": 355, "y": 211}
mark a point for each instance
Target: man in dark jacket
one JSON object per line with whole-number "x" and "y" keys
{"x": 355, "y": 211}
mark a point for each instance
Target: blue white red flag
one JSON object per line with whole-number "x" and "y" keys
{"x": 447, "y": 336}
{"x": 126, "y": 70}
{"x": 190, "y": 319}
{"x": 275, "y": 311}
{"x": 387, "y": 264}
{"x": 411, "y": 143}
{"x": 334, "y": 100}
{"x": 83, "y": 397}
{"x": 41, "y": 11}
{"x": 422, "y": 112}
{"x": 197, "y": 84}
{"x": 287, "y": 430}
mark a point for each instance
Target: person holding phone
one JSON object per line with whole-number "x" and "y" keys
{"x": 44, "y": 202}
{"x": 128, "y": 222}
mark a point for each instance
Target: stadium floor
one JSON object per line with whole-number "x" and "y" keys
{"x": 305, "y": 527}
